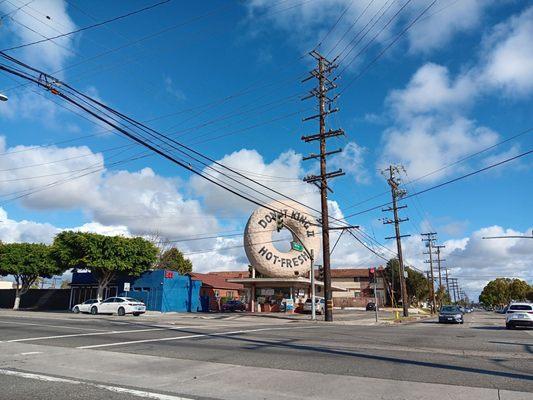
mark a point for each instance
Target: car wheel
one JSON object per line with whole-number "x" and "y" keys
{"x": 76, "y": 310}
{"x": 121, "y": 311}
{"x": 94, "y": 310}
{"x": 136, "y": 314}
{"x": 462, "y": 322}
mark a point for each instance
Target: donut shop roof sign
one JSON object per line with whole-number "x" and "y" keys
{"x": 260, "y": 249}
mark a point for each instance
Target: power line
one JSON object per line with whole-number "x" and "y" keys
{"x": 88, "y": 27}
{"x": 447, "y": 182}
{"x": 380, "y": 54}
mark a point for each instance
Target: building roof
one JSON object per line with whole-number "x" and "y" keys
{"x": 231, "y": 274}
{"x": 215, "y": 281}
{"x": 349, "y": 273}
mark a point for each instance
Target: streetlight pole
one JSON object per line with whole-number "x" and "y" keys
{"x": 310, "y": 253}
{"x": 313, "y": 291}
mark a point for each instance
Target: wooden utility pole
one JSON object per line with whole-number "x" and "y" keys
{"x": 429, "y": 239}
{"x": 454, "y": 289}
{"x": 439, "y": 260}
{"x": 321, "y": 73}
{"x": 394, "y": 182}
{"x": 447, "y": 282}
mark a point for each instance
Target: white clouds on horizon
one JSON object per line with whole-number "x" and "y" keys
{"x": 431, "y": 129}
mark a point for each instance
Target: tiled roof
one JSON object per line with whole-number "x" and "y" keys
{"x": 349, "y": 273}
{"x": 231, "y": 274}
{"x": 215, "y": 281}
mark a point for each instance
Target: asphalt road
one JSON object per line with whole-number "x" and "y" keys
{"x": 479, "y": 354}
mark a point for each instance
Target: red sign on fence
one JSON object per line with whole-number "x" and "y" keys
{"x": 169, "y": 274}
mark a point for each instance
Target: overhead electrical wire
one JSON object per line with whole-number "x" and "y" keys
{"x": 352, "y": 25}
{"x": 151, "y": 146}
{"x": 373, "y": 39}
{"x": 386, "y": 48}
{"x": 119, "y": 17}
{"x": 352, "y": 45}
{"x": 494, "y": 165}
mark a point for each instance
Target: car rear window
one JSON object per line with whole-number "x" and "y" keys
{"x": 450, "y": 309}
{"x": 131, "y": 299}
{"x": 520, "y": 307}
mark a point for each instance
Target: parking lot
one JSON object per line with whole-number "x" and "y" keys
{"x": 232, "y": 355}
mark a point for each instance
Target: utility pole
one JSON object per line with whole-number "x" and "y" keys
{"x": 397, "y": 193}
{"x": 447, "y": 282}
{"x": 429, "y": 239}
{"x": 439, "y": 260}
{"x": 322, "y": 72}
{"x": 454, "y": 286}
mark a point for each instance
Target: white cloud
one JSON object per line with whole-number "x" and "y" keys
{"x": 475, "y": 261}
{"x": 427, "y": 144}
{"x": 31, "y": 24}
{"x": 282, "y": 174}
{"x": 445, "y": 20}
{"x": 351, "y": 160}
{"x": 25, "y": 231}
{"x": 24, "y": 169}
{"x": 307, "y": 23}
{"x": 431, "y": 89}
{"x": 509, "y": 55}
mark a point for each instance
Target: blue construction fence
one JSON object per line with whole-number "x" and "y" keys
{"x": 160, "y": 290}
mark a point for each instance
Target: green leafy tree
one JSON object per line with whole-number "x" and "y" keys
{"x": 496, "y": 292}
{"x": 26, "y": 262}
{"x": 442, "y": 296}
{"x": 104, "y": 256}
{"x": 174, "y": 260}
{"x": 417, "y": 286}
{"x": 500, "y": 291}
{"x": 416, "y": 283}
{"x": 518, "y": 289}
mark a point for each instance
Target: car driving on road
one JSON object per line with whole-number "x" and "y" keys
{"x": 451, "y": 314}
{"x": 120, "y": 306}
{"x": 519, "y": 314}
{"x": 84, "y": 307}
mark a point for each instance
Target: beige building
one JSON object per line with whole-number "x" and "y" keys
{"x": 6, "y": 285}
{"x": 359, "y": 289}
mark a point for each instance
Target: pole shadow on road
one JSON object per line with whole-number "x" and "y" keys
{"x": 293, "y": 346}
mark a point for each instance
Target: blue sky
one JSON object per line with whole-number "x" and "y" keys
{"x": 225, "y": 77}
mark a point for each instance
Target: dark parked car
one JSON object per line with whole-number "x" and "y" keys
{"x": 371, "y": 306}
{"x": 233, "y": 305}
{"x": 451, "y": 314}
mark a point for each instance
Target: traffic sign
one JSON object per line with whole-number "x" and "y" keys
{"x": 297, "y": 246}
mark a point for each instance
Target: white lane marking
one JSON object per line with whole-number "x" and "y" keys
{"x": 30, "y": 353}
{"x": 141, "y": 393}
{"x": 51, "y": 326}
{"x": 44, "y": 378}
{"x": 31, "y": 339}
{"x": 95, "y": 346}
{"x": 114, "y": 332}
{"x": 116, "y": 389}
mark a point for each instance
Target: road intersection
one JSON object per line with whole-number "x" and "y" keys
{"x": 239, "y": 356}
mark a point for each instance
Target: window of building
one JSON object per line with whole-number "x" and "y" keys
{"x": 357, "y": 293}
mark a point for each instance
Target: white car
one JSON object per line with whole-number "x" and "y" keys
{"x": 320, "y": 304}
{"x": 84, "y": 307}
{"x": 519, "y": 314}
{"x": 120, "y": 306}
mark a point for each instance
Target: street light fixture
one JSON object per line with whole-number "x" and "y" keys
{"x": 3, "y": 97}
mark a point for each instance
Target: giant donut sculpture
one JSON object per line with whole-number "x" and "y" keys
{"x": 262, "y": 253}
